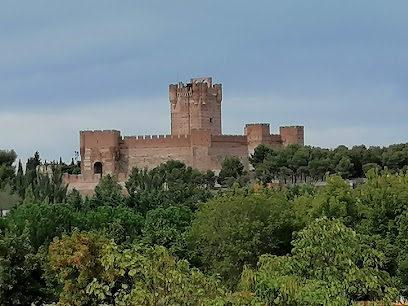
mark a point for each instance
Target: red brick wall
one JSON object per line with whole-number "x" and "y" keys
{"x": 196, "y": 105}
{"x": 292, "y": 135}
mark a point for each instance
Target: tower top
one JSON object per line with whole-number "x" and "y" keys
{"x": 207, "y": 81}
{"x": 195, "y": 105}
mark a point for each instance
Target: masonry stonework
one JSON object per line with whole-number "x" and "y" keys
{"x": 196, "y": 139}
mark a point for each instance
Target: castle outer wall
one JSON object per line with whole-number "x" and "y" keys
{"x": 201, "y": 150}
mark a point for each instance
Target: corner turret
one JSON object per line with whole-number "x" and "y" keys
{"x": 292, "y": 135}
{"x": 99, "y": 152}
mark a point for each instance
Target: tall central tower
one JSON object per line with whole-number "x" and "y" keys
{"x": 195, "y": 105}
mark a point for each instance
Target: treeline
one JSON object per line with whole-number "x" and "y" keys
{"x": 170, "y": 182}
{"x": 173, "y": 239}
{"x": 296, "y": 163}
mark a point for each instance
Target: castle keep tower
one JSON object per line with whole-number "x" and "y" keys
{"x": 195, "y": 105}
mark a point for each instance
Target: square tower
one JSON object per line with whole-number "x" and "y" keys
{"x": 195, "y": 105}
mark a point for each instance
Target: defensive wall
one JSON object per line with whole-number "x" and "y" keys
{"x": 118, "y": 154}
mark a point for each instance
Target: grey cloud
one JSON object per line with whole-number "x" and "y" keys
{"x": 332, "y": 66}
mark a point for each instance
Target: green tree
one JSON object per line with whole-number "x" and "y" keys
{"x": 20, "y": 184}
{"x": 232, "y": 171}
{"x": 233, "y": 231}
{"x": 259, "y": 155}
{"x": 20, "y": 272}
{"x": 75, "y": 199}
{"x": 382, "y": 203}
{"x": 108, "y": 192}
{"x": 43, "y": 222}
{"x": 8, "y": 199}
{"x": 345, "y": 167}
{"x": 171, "y": 183}
{"x": 167, "y": 227}
{"x": 120, "y": 223}
{"x": 7, "y": 170}
{"x": 50, "y": 187}
{"x": 328, "y": 266}
{"x": 94, "y": 271}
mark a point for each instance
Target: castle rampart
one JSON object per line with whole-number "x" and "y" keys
{"x": 196, "y": 139}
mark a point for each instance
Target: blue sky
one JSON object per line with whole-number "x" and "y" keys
{"x": 337, "y": 67}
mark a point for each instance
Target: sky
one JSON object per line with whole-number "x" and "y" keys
{"x": 340, "y": 68}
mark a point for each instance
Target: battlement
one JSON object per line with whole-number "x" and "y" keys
{"x": 154, "y": 141}
{"x": 140, "y": 137}
{"x": 292, "y": 127}
{"x": 75, "y": 178}
{"x": 257, "y": 130}
{"x": 257, "y": 124}
{"x": 99, "y": 131}
{"x": 207, "y": 81}
{"x": 229, "y": 138}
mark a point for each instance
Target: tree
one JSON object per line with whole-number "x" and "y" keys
{"x": 50, "y": 187}
{"x": 345, "y": 167}
{"x": 382, "y": 203}
{"x": 20, "y": 272}
{"x": 167, "y": 227}
{"x": 75, "y": 199}
{"x": 20, "y": 184}
{"x": 8, "y": 199}
{"x": 336, "y": 201}
{"x": 43, "y": 222}
{"x": 7, "y": 170}
{"x": 120, "y": 223}
{"x": 232, "y": 171}
{"x": 328, "y": 266}
{"x": 171, "y": 183}
{"x": 231, "y": 232}
{"x": 108, "y": 192}
{"x": 209, "y": 179}
{"x": 144, "y": 180}
{"x": 259, "y": 155}
{"x": 93, "y": 270}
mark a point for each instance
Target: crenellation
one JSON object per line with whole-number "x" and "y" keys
{"x": 99, "y": 131}
{"x": 229, "y": 138}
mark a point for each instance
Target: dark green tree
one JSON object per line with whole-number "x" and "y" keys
{"x": 108, "y": 192}
{"x": 20, "y": 272}
{"x": 233, "y": 231}
{"x": 167, "y": 227}
{"x": 232, "y": 171}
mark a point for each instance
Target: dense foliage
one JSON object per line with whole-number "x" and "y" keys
{"x": 172, "y": 237}
{"x": 296, "y": 163}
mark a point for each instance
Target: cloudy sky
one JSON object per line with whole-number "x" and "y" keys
{"x": 340, "y": 68}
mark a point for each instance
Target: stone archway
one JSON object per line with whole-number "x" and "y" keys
{"x": 98, "y": 168}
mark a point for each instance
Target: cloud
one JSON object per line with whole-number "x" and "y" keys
{"x": 54, "y": 132}
{"x": 339, "y": 69}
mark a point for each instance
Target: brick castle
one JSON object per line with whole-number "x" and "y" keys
{"x": 196, "y": 139}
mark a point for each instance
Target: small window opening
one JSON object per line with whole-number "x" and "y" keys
{"x": 98, "y": 168}
{"x": 211, "y": 120}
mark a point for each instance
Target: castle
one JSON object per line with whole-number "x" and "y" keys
{"x": 196, "y": 139}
